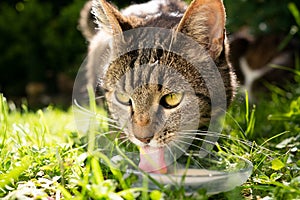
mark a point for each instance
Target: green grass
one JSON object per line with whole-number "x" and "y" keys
{"x": 43, "y": 157}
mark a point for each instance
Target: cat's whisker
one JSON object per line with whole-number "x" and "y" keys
{"x": 188, "y": 143}
{"x": 89, "y": 119}
{"x": 92, "y": 114}
{"x": 171, "y": 152}
{"x": 193, "y": 145}
{"x": 180, "y": 148}
{"x": 98, "y": 116}
{"x": 113, "y": 131}
{"x": 184, "y": 135}
{"x": 112, "y": 125}
{"x": 123, "y": 138}
{"x": 122, "y": 142}
{"x": 217, "y": 135}
{"x": 196, "y": 146}
{"x": 109, "y": 132}
{"x": 202, "y": 131}
{"x": 234, "y": 120}
{"x": 243, "y": 142}
{"x": 105, "y": 120}
{"x": 80, "y": 107}
{"x": 99, "y": 97}
{"x": 206, "y": 133}
{"x": 187, "y": 154}
{"x": 102, "y": 123}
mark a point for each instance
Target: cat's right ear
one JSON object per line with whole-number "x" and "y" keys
{"x": 204, "y": 21}
{"x": 99, "y": 15}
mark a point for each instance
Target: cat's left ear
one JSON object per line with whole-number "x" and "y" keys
{"x": 204, "y": 21}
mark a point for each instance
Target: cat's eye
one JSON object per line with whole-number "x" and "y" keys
{"x": 123, "y": 98}
{"x": 171, "y": 100}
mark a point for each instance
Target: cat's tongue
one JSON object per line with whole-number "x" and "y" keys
{"x": 152, "y": 160}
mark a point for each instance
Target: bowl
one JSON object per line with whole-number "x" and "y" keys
{"x": 215, "y": 175}
{"x": 215, "y": 172}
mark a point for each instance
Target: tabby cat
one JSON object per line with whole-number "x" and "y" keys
{"x": 154, "y": 64}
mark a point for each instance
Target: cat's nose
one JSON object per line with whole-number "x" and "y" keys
{"x": 145, "y": 140}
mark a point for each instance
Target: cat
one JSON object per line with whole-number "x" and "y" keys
{"x": 254, "y": 60}
{"x": 155, "y": 96}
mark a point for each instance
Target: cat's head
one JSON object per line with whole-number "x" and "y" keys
{"x": 159, "y": 82}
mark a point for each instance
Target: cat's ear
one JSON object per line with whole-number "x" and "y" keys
{"x": 107, "y": 17}
{"x": 204, "y": 21}
{"x": 99, "y": 15}
{"x": 86, "y": 23}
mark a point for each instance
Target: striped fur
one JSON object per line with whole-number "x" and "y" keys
{"x": 147, "y": 74}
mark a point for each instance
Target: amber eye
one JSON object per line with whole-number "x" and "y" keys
{"x": 123, "y": 98}
{"x": 171, "y": 100}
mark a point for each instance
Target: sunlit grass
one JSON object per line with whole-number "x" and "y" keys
{"x": 44, "y": 157}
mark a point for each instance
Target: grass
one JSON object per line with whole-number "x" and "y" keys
{"x": 44, "y": 157}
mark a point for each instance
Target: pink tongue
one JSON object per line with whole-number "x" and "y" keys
{"x": 152, "y": 160}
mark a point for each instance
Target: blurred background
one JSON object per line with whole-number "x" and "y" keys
{"x": 42, "y": 49}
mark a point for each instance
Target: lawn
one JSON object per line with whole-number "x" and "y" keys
{"x": 45, "y": 157}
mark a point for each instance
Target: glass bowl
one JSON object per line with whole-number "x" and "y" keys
{"x": 215, "y": 174}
